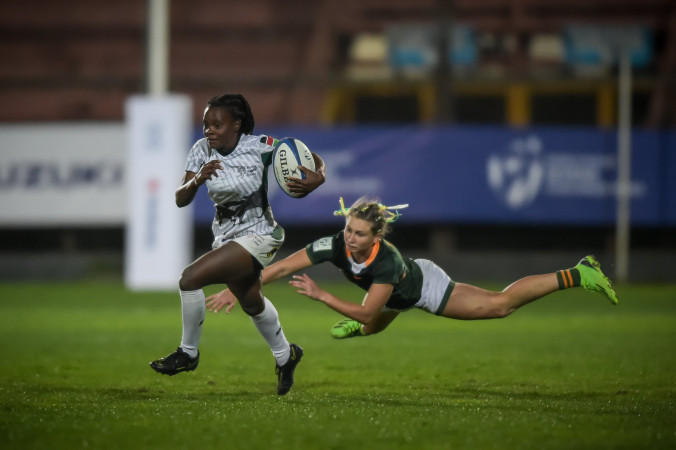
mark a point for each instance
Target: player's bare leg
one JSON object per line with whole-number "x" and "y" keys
{"x": 469, "y": 302}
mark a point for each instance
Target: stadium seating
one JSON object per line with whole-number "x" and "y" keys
{"x": 79, "y": 60}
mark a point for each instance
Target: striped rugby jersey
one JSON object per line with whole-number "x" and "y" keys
{"x": 241, "y": 185}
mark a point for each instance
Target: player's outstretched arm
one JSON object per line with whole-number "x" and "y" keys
{"x": 375, "y": 299}
{"x": 226, "y": 299}
{"x": 286, "y": 266}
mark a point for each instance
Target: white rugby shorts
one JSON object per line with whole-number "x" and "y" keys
{"x": 436, "y": 290}
{"x": 263, "y": 247}
{"x": 437, "y": 287}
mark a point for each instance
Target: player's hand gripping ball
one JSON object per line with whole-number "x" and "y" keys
{"x": 288, "y": 154}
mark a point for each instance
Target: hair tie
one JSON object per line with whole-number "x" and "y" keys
{"x": 389, "y": 215}
{"x": 342, "y": 211}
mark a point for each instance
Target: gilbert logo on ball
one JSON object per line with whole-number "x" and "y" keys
{"x": 287, "y": 156}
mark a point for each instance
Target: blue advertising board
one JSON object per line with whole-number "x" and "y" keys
{"x": 558, "y": 176}
{"x": 668, "y": 177}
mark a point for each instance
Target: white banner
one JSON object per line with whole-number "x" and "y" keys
{"x": 158, "y": 242}
{"x": 62, "y": 174}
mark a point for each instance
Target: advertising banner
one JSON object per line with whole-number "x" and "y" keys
{"x": 62, "y": 175}
{"x": 77, "y": 175}
{"x": 158, "y": 241}
{"x": 481, "y": 175}
{"x": 668, "y": 179}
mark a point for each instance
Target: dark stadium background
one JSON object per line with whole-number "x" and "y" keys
{"x": 308, "y": 63}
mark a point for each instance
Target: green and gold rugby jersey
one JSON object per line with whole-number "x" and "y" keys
{"x": 384, "y": 266}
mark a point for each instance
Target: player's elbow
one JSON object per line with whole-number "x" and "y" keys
{"x": 181, "y": 201}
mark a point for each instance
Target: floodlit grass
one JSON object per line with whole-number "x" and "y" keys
{"x": 570, "y": 371}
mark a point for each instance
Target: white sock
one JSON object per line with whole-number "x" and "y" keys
{"x": 269, "y": 327}
{"x": 192, "y": 310}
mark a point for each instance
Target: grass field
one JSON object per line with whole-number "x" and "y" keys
{"x": 570, "y": 371}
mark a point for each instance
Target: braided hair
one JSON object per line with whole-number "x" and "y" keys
{"x": 239, "y": 109}
{"x": 372, "y": 211}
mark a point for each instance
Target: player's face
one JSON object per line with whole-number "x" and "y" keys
{"x": 359, "y": 237}
{"x": 220, "y": 129}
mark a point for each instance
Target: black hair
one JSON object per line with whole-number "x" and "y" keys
{"x": 238, "y": 108}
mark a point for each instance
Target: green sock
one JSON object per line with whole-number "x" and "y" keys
{"x": 568, "y": 278}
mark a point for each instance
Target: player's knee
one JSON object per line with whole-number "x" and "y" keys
{"x": 251, "y": 303}
{"x": 251, "y": 309}
{"x": 501, "y": 308}
{"x": 189, "y": 280}
{"x": 369, "y": 330}
{"x": 501, "y": 313}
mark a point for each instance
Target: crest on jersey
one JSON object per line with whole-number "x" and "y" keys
{"x": 269, "y": 140}
{"x": 325, "y": 243}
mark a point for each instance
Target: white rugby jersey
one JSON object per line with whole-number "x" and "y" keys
{"x": 240, "y": 189}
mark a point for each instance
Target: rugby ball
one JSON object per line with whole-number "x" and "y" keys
{"x": 288, "y": 154}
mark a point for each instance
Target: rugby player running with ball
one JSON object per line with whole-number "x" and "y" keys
{"x": 233, "y": 162}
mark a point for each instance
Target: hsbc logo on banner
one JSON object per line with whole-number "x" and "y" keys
{"x": 517, "y": 176}
{"x": 526, "y": 171}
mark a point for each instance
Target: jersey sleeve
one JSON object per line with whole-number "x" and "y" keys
{"x": 268, "y": 141}
{"x": 323, "y": 249}
{"x": 196, "y": 158}
{"x": 263, "y": 143}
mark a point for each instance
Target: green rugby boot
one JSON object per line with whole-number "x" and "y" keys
{"x": 593, "y": 279}
{"x": 346, "y": 328}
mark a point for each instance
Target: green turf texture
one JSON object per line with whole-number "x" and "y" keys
{"x": 569, "y": 371}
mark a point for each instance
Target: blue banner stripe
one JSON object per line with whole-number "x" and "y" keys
{"x": 494, "y": 175}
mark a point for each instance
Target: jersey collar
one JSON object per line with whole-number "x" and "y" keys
{"x": 372, "y": 256}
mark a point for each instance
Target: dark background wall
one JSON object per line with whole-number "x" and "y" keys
{"x": 325, "y": 62}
